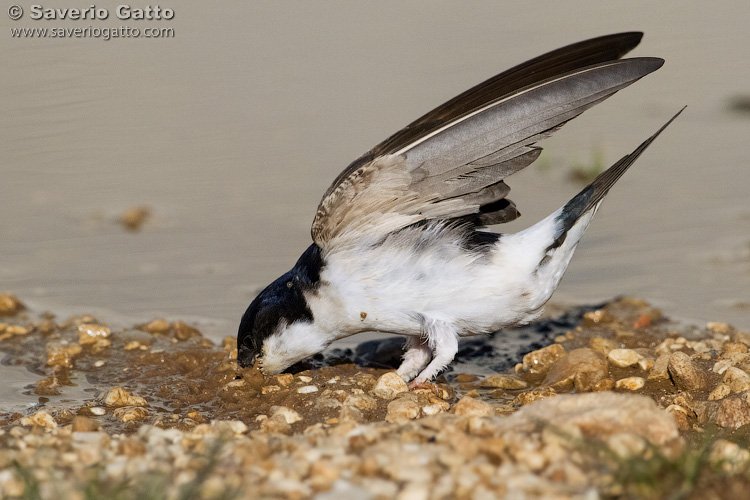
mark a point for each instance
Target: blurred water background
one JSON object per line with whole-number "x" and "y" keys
{"x": 231, "y": 131}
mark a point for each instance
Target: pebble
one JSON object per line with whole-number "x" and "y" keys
{"x": 10, "y": 305}
{"x": 733, "y": 412}
{"x": 117, "y": 396}
{"x": 389, "y": 385}
{"x": 84, "y": 424}
{"x": 720, "y": 392}
{"x": 540, "y": 361}
{"x": 307, "y": 389}
{"x": 580, "y": 368}
{"x": 304, "y": 379}
{"x": 402, "y": 408}
{"x": 469, "y": 406}
{"x": 90, "y": 333}
{"x": 507, "y": 382}
{"x": 685, "y": 373}
{"x": 737, "y": 380}
{"x": 39, "y": 419}
{"x": 268, "y": 389}
{"x": 130, "y": 414}
{"x": 630, "y": 383}
{"x": 289, "y": 415}
{"x": 158, "y": 326}
{"x": 623, "y": 357}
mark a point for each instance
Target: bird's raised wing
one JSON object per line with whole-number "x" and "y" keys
{"x": 450, "y": 164}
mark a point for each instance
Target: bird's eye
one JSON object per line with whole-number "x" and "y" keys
{"x": 289, "y": 284}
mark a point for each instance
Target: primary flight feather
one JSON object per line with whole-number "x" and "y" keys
{"x": 397, "y": 246}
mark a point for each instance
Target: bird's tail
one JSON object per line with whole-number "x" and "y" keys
{"x": 557, "y": 236}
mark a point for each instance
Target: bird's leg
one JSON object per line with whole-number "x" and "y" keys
{"x": 443, "y": 341}
{"x": 417, "y": 355}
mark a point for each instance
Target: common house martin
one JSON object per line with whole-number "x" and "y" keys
{"x": 398, "y": 240}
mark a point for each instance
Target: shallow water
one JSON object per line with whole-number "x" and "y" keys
{"x": 232, "y": 130}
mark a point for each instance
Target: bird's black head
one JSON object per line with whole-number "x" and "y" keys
{"x": 281, "y": 302}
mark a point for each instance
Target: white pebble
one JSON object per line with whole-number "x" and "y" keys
{"x": 307, "y": 389}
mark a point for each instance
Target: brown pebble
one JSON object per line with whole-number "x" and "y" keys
{"x": 401, "y": 409}
{"x": 135, "y": 217}
{"x": 580, "y": 368}
{"x": 10, "y": 305}
{"x": 503, "y": 382}
{"x": 540, "y": 361}
{"x": 158, "y": 326}
{"x": 733, "y": 413}
{"x": 183, "y": 331}
{"x": 466, "y": 378}
{"x": 84, "y": 424}
{"x": 389, "y": 385}
{"x": 534, "y": 395}
{"x": 472, "y": 407}
{"x": 660, "y": 369}
{"x": 685, "y": 373}
{"x": 117, "y": 396}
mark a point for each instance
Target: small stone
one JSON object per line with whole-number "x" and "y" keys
{"x": 84, "y": 424}
{"x": 720, "y": 392}
{"x": 646, "y": 364}
{"x": 630, "y": 383}
{"x": 503, "y": 382}
{"x": 183, "y": 331}
{"x": 305, "y": 379}
{"x": 133, "y": 218}
{"x": 733, "y": 413}
{"x": 351, "y": 414}
{"x": 540, "y": 361}
{"x": 60, "y": 354}
{"x": 660, "y": 370}
{"x": 466, "y": 378}
{"x": 606, "y": 384}
{"x": 130, "y": 414}
{"x": 158, "y": 326}
{"x": 361, "y": 401}
{"x": 290, "y": 416}
{"x": 680, "y": 416}
{"x": 472, "y": 407}
{"x": 623, "y": 357}
{"x": 433, "y": 409}
{"x": 97, "y": 410}
{"x": 117, "y": 396}
{"x": 686, "y": 375}
{"x": 534, "y": 395}
{"x": 402, "y": 408}
{"x": 229, "y": 426}
{"x": 737, "y": 380}
{"x": 132, "y": 345}
{"x": 39, "y": 419}
{"x": 16, "y": 330}
{"x": 269, "y": 389}
{"x": 307, "y": 389}
{"x": 276, "y": 424}
{"x": 89, "y": 334}
{"x": 580, "y": 368}
{"x": 389, "y": 385}
{"x": 718, "y": 327}
{"x": 601, "y": 345}
{"x": 284, "y": 379}
{"x": 10, "y": 305}
{"x": 728, "y": 456}
{"x": 598, "y": 317}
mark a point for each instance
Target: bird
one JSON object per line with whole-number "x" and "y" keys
{"x": 400, "y": 240}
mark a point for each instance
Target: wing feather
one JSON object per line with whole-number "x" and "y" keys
{"x": 454, "y": 166}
